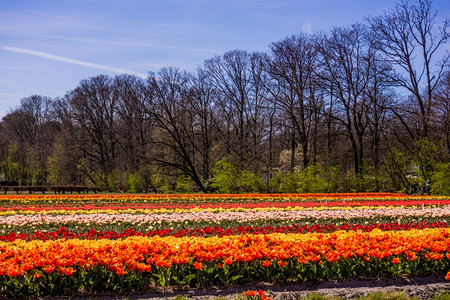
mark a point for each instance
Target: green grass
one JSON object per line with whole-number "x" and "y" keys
{"x": 318, "y": 296}
{"x": 370, "y": 296}
{"x": 374, "y": 296}
{"x": 387, "y": 296}
{"x": 445, "y": 296}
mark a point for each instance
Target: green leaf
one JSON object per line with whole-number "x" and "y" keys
{"x": 187, "y": 279}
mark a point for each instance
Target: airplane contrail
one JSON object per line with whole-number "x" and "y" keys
{"x": 72, "y": 61}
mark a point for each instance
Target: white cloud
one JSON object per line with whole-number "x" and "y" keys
{"x": 5, "y": 83}
{"x": 307, "y": 27}
{"x": 72, "y": 61}
{"x": 10, "y": 95}
{"x": 133, "y": 44}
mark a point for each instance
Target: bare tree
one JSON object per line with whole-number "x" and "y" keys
{"x": 32, "y": 129}
{"x": 135, "y": 126}
{"x": 175, "y": 134}
{"x": 237, "y": 76}
{"x": 202, "y": 97}
{"x": 94, "y": 111}
{"x": 345, "y": 75}
{"x": 292, "y": 67}
{"x": 442, "y": 115}
{"x": 380, "y": 96}
{"x": 410, "y": 41}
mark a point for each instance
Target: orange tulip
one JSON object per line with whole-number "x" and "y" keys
{"x": 66, "y": 271}
{"x": 250, "y": 293}
{"x": 14, "y": 271}
{"x": 49, "y": 269}
{"x": 198, "y": 265}
{"x": 266, "y": 263}
{"x": 282, "y": 263}
{"x": 228, "y": 261}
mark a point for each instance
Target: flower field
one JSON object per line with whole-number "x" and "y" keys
{"x": 75, "y": 244}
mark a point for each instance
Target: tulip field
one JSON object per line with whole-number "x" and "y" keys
{"x": 79, "y": 244}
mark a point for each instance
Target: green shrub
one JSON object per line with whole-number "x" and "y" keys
{"x": 117, "y": 181}
{"x": 225, "y": 178}
{"x": 229, "y": 178}
{"x": 440, "y": 181}
{"x": 183, "y": 184}
{"x": 251, "y": 182}
{"x": 288, "y": 182}
{"x": 134, "y": 183}
{"x": 316, "y": 179}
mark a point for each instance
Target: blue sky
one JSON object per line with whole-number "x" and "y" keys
{"x": 48, "y": 46}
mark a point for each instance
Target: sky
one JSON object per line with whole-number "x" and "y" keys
{"x": 48, "y": 46}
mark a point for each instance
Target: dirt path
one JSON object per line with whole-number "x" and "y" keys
{"x": 421, "y": 287}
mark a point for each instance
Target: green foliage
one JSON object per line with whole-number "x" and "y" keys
{"x": 10, "y": 167}
{"x": 183, "y": 184}
{"x": 38, "y": 173}
{"x": 288, "y": 182}
{"x": 251, "y": 182}
{"x": 229, "y": 178}
{"x": 116, "y": 180}
{"x": 316, "y": 179}
{"x": 225, "y": 177}
{"x": 440, "y": 181}
{"x": 160, "y": 182}
{"x": 313, "y": 179}
{"x": 396, "y": 165}
{"x": 24, "y": 166}
{"x": 112, "y": 181}
{"x": 134, "y": 183}
{"x": 358, "y": 183}
{"x": 63, "y": 166}
{"x": 171, "y": 184}
{"x": 427, "y": 156}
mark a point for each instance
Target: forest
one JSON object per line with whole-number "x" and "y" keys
{"x": 357, "y": 109}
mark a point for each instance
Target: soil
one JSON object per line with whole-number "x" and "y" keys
{"x": 420, "y": 287}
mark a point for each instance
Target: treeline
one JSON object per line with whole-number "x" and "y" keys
{"x": 362, "y": 108}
